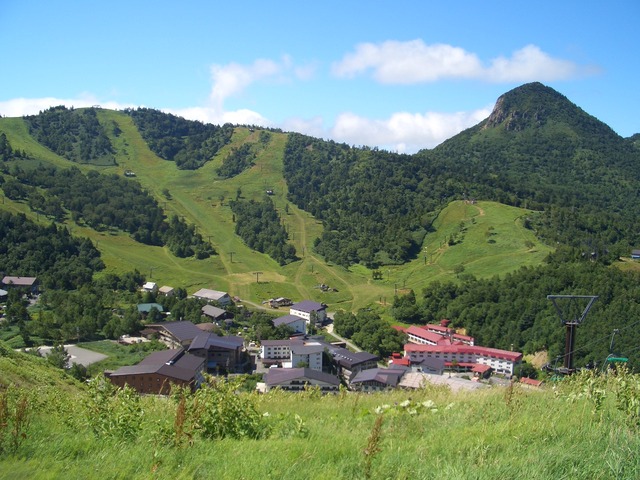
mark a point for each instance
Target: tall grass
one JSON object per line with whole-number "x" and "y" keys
{"x": 430, "y": 433}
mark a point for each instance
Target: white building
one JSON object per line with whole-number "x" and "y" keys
{"x": 291, "y": 353}
{"x": 297, "y": 324}
{"x": 207, "y": 295}
{"x": 466, "y": 356}
{"x": 306, "y": 308}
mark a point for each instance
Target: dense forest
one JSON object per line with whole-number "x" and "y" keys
{"x": 238, "y": 160}
{"x": 258, "y": 224}
{"x": 50, "y": 253}
{"x": 188, "y": 143}
{"x": 103, "y": 202}
{"x": 369, "y": 331}
{"x": 76, "y": 135}
{"x": 376, "y": 206}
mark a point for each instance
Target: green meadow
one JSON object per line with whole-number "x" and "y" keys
{"x": 482, "y": 239}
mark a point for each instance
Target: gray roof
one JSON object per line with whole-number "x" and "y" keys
{"x": 301, "y": 349}
{"x": 182, "y": 331}
{"x": 170, "y": 363}
{"x": 275, "y": 343}
{"x": 277, "y": 376}
{"x": 387, "y": 376}
{"x": 211, "y": 311}
{"x": 308, "y": 306}
{"x": 206, "y": 340}
{"x": 286, "y": 320}
{"x": 208, "y": 294}
{"x": 349, "y": 359}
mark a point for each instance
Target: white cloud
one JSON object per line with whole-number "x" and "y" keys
{"x": 404, "y": 132}
{"x": 233, "y": 78}
{"x": 394, "y": 62}
{"x": 530, "y": 63}
{"x": 18, "y": 107}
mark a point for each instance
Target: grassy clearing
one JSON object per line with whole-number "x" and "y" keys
{"x": 489, "y": 238}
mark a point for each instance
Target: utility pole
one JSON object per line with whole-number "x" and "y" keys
{"x": 258, "y": 277}
{"x": 151, "y": 272}
{"x": 231, "y": 254}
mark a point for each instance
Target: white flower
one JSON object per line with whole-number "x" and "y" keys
{"x": 405, "y": 404}
{"x": 428, "y": 404}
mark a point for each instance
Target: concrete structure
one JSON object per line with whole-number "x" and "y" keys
{"x": 150, "y": 287}
{"x": 291, "y": 353}
{"x": 436, "y": 335}
{"x": 158, "y": 372}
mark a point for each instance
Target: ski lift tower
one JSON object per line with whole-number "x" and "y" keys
{"x": 571, "y": 319}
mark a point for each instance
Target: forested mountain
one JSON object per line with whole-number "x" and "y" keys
{"x": 50, "y": 253}
{"x": 540, "y": 151}
{"x": 536, "y": 150}
{"x": 76, "y": 135}
{"x": 578, "y": 180}
{"x": 188, "y": 143}
{"x": 376, "y": 206}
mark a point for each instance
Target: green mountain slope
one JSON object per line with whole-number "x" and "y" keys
{"x": 539, "y": 150}
{"x": 348, "y": 211}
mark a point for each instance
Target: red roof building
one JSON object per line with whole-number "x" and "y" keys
{"x": 501, "y": 361}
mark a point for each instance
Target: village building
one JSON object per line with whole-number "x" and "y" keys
{"x": 32, "y": 284}
{"x": 150, "y": 287}
{"x": 172, "y": 334}
{"x": 307, "y": 309}
{"x": 299, "y": 379}
{"x": 462, "y": 357}
{"x": 292, "y": 353}
{"x": 167, "y": 291}
{"x": 221, "y": 353}
{"x": 214, "y": 313}
{"x": 222, "y": 298}
{"x": 297, "y": 324}
{"x": 378, "y": 379}
{"x": 350, "y": 363}
{"x": 158, "y": 372}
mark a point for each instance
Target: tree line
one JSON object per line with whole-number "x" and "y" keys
{"x": 76, "y": 135}
{"x": 258, "y": 224}
{"x": 102, "y": 202}
{"x": 190, "y": 144}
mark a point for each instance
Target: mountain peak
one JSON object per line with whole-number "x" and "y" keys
{"x": 529, "y": 105}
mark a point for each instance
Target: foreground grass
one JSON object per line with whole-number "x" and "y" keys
{"x": 573, "y": 432}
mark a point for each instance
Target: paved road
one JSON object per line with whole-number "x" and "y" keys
{"x": 81, "y": 356}
{"x": 351, "y": 345}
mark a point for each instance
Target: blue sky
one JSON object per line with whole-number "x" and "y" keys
{"x": 401, "y": 75}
